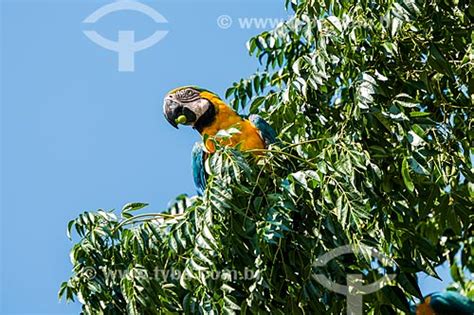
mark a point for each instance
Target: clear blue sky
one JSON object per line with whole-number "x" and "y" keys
{"x": 79, "y": 135}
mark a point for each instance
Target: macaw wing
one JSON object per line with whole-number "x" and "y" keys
{"x": 449, "y": 302}
{"x": 199, "y": 172}
{"x": 267, "y": 133}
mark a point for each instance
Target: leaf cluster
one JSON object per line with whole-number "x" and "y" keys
{"x": 373, "y": 104}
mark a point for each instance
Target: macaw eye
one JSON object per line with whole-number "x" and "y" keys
{"x": 187, "y": 95}
{"x": 191, "y": 94}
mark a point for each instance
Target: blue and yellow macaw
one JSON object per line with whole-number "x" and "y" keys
{"x": 208, "y": 114}
{"x": 445, "y": 303}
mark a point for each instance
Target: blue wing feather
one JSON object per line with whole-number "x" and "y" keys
{"x": 199, "y": 173}
{"x": 267, "y": 133}
{"x": 450, "y": 302}
{"x": 199, "y": 155}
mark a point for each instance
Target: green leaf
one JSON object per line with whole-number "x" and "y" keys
{"x": 256, "y": 104}
{"x": 335, "y": 22}
{"x": 438, "y": 62}
{"x": 419, "y": 114}
{"x": 406, "y": 176}
{"x": 396, "y": 297}
{"x": 133, "y": 206}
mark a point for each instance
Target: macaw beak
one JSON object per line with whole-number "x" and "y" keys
{"x": 174, "y": 111}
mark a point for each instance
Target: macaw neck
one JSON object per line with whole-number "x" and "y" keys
{"x": 224, "y": 116}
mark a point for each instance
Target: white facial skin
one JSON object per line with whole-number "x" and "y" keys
{"x": 198, "y": 107}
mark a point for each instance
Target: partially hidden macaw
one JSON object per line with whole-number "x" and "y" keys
{"x": 445, "y": 303}
{"x": 208, "y": 114}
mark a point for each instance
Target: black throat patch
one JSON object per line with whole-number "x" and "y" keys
{"x": 206, "y": 119}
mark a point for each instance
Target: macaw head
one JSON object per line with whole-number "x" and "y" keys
{"x": 189, "y": 105}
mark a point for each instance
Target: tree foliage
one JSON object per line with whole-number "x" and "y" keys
{"x": 373, "y": 104}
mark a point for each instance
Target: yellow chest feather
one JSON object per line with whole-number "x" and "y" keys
{"x": 424, "y": 308}
{"x": 248, "y": 138}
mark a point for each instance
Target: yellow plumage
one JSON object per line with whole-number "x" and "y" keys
{"x": 249, "y": 136}
{"x": 424, "y": 308}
